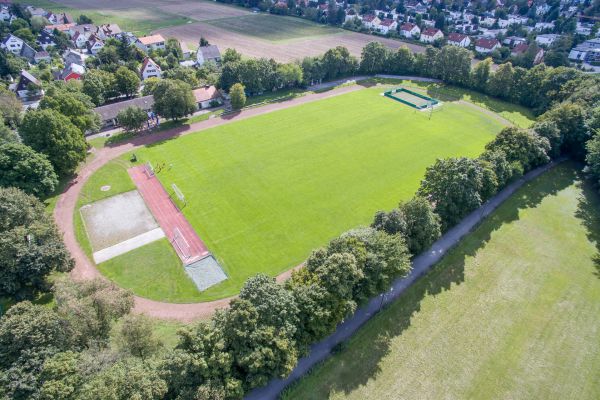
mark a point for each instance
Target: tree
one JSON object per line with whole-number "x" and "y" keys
{"x": 31, "y": 247}
{"x": 7, "y": 135}
{"x": 10, "y": 108}
{"x": 203, "y": 42}
{"x": 524, "y": 147}
{"x": 231, "y": 55}
{"x": 570, "y": 119}
{"x": 338, "y": 62}
{"x": 61, "y": 377}
{"x": 74, "y": 105}
{"x": 454, "y": 186}
{"x": 130, "y": 378}
{"x": 549, "y": 129}
{"x": 188, "y": 75}
{"x": 132, "y": 118}
{"x": 501, "y": 83}
{"x": 373, "y": 58}
{"x": 84, "y": 19}
{"x": 127, "y": 81}
{"x": 481, "y": 74}
{"x": 402, "y": 62}
{"x": 592, "y": 158}
{"x": 173, "y": 99}
{"x": 237, "y": 95}
{"x": 28, "y": 335}
{"x": 453, "y": 65}
{"x": 24, "y": 168}
{"x": 136, "y": 336}
{"x": 290, "y": 74}
{"x": 90, "y": 308}
{"x": 51, "y": 133}
{"x": 150, "y": 86}
{"x": 504, "y": 170}
{"x": 422, "y": 224}
{"x": 99, "y": 85}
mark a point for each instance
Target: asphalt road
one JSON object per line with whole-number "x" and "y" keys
{"x": 421, "y": 265}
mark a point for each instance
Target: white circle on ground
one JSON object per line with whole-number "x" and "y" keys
{"x": 105, "y": 188}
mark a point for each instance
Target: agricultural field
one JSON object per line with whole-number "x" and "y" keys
{"x": 262, "y": 195}
{"x": 254, "y": 35}
{"x": 512, "y": 312}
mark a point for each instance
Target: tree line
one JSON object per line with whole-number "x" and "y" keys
{"x": 270, "y": 325}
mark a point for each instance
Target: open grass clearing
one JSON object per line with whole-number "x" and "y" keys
{"x": 512, "y": 312}
{"x": 263, "y": 192}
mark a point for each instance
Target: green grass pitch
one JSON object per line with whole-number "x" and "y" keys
{"x": 263, "y": 192}
{"x": 511, "y": 313}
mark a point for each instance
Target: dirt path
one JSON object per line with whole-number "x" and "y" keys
{"x": 65, "y": 206}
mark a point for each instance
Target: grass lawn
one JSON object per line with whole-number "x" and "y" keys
{"x": 263, "y": 192}
{"x": 511, "y": 313}
{"x": 154, "y": 271}
{"x": 273, "y": 27}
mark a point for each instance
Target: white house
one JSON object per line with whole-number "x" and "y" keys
{"x": 107, "y": 31}
{"x": 150, "y": 69}
{"x": 13, "y": 44}
{"x": 371, "y": 21}
{"x": 387, "y": 25}
{"x": 208, "y": 53}
{"x": 547, "y": 39}
{"x": 80, "y": 39}
{"x": 540, "y": 26}
{"x": 5, "y": 14}
{"x": 459, "y": 40}
{"x": 486, "y": 45}
{"x": 430, "y": 35}
{"x": 409, "y": 30}
{"x": 94, "y": 44}
{"x": 148, "y": 43}
{"x": 207, "y": 96}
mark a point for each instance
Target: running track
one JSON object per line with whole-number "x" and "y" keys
{"x": 167, "y": 215}
{"x": 65, "y": 206}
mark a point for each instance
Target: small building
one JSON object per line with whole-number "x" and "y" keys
{"x": 106, "y": 31}
{"x": 74, "y": 57}
{"x": 185, "y": 50}
{"x": 28, "y": 88}
{"x": 94, "y": 44}
{"x": 371, "y": 21}
{"x": 208, "y": 53}
{"x": 150, "y": 69}
{"x": 547, "y": 39}
{"x": 13, "y": 44}
{"x": 108, "y": 113}
{"x": 486, "y": 45}
{"x": 459, "y": 40}
{"x": 72, "y": 71}
{"x": 430, "y": 35}
{"x": 45, "y": 39}
{"x": 409, "y": 30}
{"x": 207, "y": 97}
{"x": 522, "y": 48}
{"x": 149, "y": 43}
{"x": 387, "y": 25}
{"x": 512, "y": 41}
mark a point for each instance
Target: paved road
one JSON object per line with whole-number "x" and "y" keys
{"x": 421, "y": 265}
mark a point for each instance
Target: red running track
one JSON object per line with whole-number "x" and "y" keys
{"x": 168, "y": 216}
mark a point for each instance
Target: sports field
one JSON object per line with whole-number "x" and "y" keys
{"x": 263, "y": 192}
{"x": 511, "y": 313}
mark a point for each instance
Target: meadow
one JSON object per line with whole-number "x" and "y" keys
{"x": 512, "y": 312}
{"x": 263, "y": 192}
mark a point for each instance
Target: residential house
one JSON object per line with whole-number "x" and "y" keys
{"x": 208, "y": 53}
{"x": 107, "y": 31}
{"x": 64, "y": 28}
{"x": 5, "y": 14}
{"x": 36, "y": 11}
{"x": 185, "y": 50}
{"x": 72, "y": 71}
{"x": 459, "y": 40}
{"x": 150, "y": 69}
{"x": 28, "y": 88}
{"x": 388, "y": 25}
{"x": 108, "y": 113}
{"x": 74, "y": 57}
{"x": 371, "y": 21}
{"x": 486, "y": 45}
{"x": 148, "y": 43}
{"x": 42, "y": 56}
{"x": 207, "y": 97}
{"x": 94, "y": 44}
{"x": 129, "y": 37}
{"x": 409, "y": 30}
{"x": 588, "y": 51}
{"x": 28, "y": 52}
{"x": 13, "y": 44}
{"x": 430, "y": 35}
{"x": 60, "y": 18}
{"x": 512, "y": 41}
{"x": 547, "y": 39}
{"x": 87, "y": 29}
{"x": 522, "y": 48}
{"x": 45, "y": 39}
{"x": 540, "y": 26}
{"x": 80, "y": 39}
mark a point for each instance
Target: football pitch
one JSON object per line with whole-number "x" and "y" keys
{"x": 263, "y": 192}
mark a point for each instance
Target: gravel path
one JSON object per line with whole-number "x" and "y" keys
{"x": 421, "y": 265}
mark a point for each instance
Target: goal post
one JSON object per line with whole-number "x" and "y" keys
{"x": 149, "y": 169}
{"x": 179, "y": 195}
{"x": 181, "y": 245}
